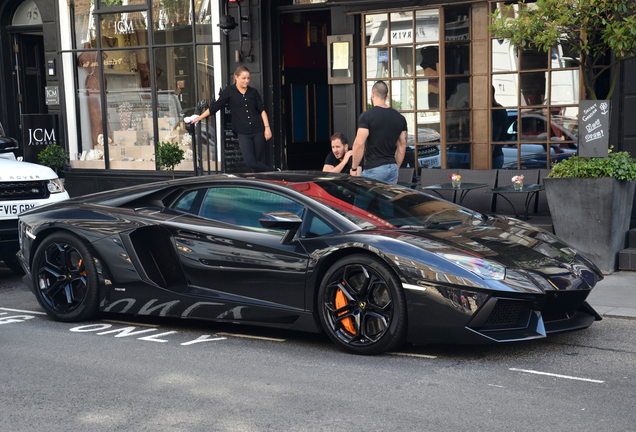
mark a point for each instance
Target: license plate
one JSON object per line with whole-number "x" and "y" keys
{"x": 14, "y": 209}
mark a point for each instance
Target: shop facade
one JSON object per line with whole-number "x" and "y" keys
{"x": 126, "y": 73}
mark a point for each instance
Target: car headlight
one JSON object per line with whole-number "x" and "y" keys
{"x": 479, "y": 266}
{"x": 55, "y": 186}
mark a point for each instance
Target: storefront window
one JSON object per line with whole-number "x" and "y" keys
{"x": 172, "y": 21}
{"x": 203, "y": 21}
{"x": 138, "y": 117}
{"x": 539, "y": 93}
{"x": 403, "y": 48}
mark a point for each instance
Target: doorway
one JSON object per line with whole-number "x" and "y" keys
{"x": 306, "y": 95}
{"x": 30, "y": 79}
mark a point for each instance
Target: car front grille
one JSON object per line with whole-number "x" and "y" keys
{"x": 23, "y": 190}
{"x": 505, "y": 313}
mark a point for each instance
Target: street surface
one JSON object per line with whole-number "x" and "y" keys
{"x": 123, "y": 373}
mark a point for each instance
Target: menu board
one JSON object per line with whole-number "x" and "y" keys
{"x": 232, "y": 157}
{"x": 594, "y": 120}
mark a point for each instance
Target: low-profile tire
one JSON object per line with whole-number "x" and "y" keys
{"x": 361, "y": 305}
{"x": 65, "y": 278}
{"x": 14, "y": 265}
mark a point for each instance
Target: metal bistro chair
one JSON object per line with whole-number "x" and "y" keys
{"x": 405, "y": 177}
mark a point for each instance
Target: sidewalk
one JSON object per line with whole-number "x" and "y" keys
{"x": 615, "y": 296}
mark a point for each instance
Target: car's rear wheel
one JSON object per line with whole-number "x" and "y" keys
{"x": 65, "y": 278}
{"x": 361, "y": 305}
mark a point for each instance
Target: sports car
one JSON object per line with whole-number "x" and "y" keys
{"x": 374, "y": 265}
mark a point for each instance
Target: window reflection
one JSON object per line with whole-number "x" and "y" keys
{"x": 377, "y": 63}
{"x": 457, "y": 93}
{"x": 206, "y": 133}
{"x": 564, "y": 87}
{"x": 85, "y": 24}
{"x": 172, "y": 22}
{"x": 504, "y": 56}
{"x": 457, "y": 126}
{"x": 376, "y": 29}
{"x": 203, "y": 20}
{"x": 533, "y": 88}
{"x": 506, "y": 89}
{"x": 533, "y": 59}
{"x": 428, "y": 93}
{"x": 458, "y": 156}
{"x": 402, "y": 27}
{"x": 401, "y": 62}
{"x": 458, "y": 59}
{"x": 427, "y": 60}
{"x": 427, "y": 25}
{"x": 402, "y": 97}
{"x": 456, "y": 23}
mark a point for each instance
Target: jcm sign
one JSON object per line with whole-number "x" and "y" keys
{"x": 38, "y": 131}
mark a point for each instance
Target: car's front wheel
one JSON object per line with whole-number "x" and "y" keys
{"x": 65, "y": 278}
{"x": 361, "y": 305}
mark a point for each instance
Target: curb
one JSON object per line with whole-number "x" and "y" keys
{"x": 615, "y": 312}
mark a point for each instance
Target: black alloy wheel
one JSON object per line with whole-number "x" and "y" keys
{"x": 65, "y": 278}
{"x": 362, "y": 306}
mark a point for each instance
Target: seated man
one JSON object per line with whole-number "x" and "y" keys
{"x": 339, "y": 160}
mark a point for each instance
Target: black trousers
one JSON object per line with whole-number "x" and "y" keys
{"x": 253, "y": 147}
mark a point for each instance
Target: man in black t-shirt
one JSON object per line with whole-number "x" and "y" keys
{"x": 339, "y": 160}
{"x": 381, "y": 138}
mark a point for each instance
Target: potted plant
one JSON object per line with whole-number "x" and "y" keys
{"x": 169, "y": 155}
{"x": 54, "y": 157}
{"x": 590, "y": 202}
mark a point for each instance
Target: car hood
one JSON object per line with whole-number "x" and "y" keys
{"x": 525, "y": 250}
{"x": 13, "y": 170}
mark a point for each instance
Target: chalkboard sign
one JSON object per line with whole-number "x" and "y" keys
{"x": 232, "y": 157}
{"x": 594, "y": 119}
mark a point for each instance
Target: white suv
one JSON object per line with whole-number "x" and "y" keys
{"x": 23, "y": 186}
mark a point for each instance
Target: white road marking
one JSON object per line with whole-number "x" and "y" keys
{"x": 413, "y": 355}
{"x": 556, "y": 375}
{"x": 252, "y": 337}
{"x": 22, "y": 311}
{"x": 204, "y": 338}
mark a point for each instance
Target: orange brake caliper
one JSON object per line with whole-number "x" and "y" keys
{"x": 341, "y": 301}
{"x": 80, "y": 266}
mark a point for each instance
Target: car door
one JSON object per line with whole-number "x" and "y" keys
{"x": 224, "y": 249}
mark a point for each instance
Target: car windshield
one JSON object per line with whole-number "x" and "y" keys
{"x": 371, "y": 205}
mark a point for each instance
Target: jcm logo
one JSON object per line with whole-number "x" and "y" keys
{"x": 41, "y": 136}
{"x": 124, "y": 27}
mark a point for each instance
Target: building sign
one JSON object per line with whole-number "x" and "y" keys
{"x": 594, "y": 119}
{"x": 38, "y": 131}
{"x": 52, "y": 95}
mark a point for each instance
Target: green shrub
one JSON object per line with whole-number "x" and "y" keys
{"x": 618, "y": 165}
{"x": 53, "y": 156}
{"x": 169, "y": 156}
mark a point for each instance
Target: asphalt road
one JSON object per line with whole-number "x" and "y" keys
{"x": 123, "y": 374}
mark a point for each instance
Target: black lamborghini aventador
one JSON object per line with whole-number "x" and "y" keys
{"x": 373, "y": 265}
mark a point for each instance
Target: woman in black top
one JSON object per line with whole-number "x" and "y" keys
{"x": 249, "y": 119}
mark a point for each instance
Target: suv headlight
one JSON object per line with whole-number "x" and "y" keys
{"x": 55, "y": 186}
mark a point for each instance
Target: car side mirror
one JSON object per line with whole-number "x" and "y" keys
{"x": 282, "y": 220}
